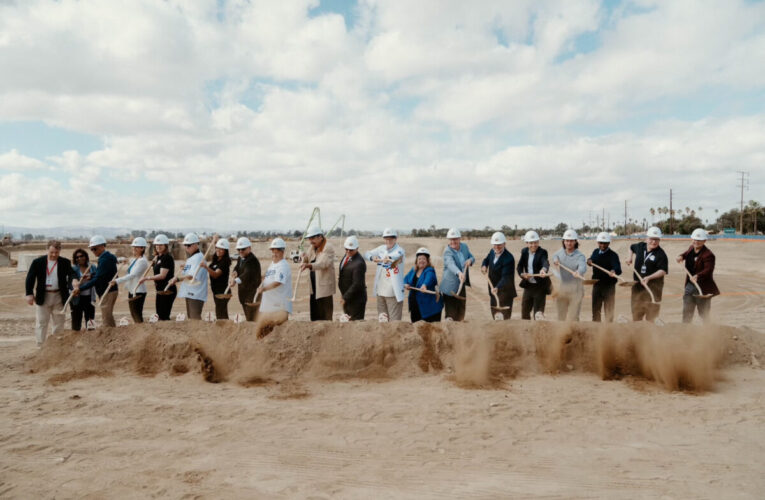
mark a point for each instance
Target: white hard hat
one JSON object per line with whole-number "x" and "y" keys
{"x": 498, "y": 238}
{"x": 389, "y": 233}
{"x": 222, "y": 243}
{"x": 139, "y": 242}
{"x": 603, "y": 237}
{"x": 278, "y": 243}
{"x": 351, "y": 243}
{"x": 699, "y": 234}
{"x": 243, "y": 242}
{"x": 161, "y": 239}
{"x": 190, "y": 239}
{"x": 570, "y": 234}
{"x": 313, "y": 231}
{"x": 653, "y": 232}
{"x": 530, "y": 236}
{"x": 96, "y": 240}
{"x": 423, "y": 251}
{"x": 453, "y": 233}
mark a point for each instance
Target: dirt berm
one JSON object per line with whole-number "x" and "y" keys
{"x": 472, "y": 354}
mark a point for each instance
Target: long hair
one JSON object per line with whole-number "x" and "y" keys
{"x": 79, "y": 252}
{"x": 576, "y": 244}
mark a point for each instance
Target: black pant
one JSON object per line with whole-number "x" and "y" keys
{"x": 221, "y": 308}
{"x": 415, "y": 315}
{"x": 246, "y": 295}
{"x": 534, "y": 298}
{"x": 603, "y": 297}
{"x": 504, "y": 301}
{"x": 355, "y": 308}
{"x": 454, "y": 307}
{"x": 136, "y": 306}
{"x": 83, "y": 308}
{"x": 164, "y": 305}
{"x": 321, "y": 309}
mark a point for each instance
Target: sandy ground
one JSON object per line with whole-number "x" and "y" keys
{"x": 347, "y": 430}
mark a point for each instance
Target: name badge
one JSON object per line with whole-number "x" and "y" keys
{"x": 643, "y": 269}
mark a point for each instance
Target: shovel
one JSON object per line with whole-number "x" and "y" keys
{"x": 82, "y": 278}
{"x": 101, "y": 301}
{"x": 701, "y": 294}
{"x": 194, "y": 281}
{"x": 254, "y": 302}
{"x": 462, "y": 281}
{"x": 496, "y": 298}
{"x": 622, "y": 281}
{"x": 166, "y": 291}
{"x": 571, "y": 271}
{"x": 225, "y": 294}
{"x": 653, "y": 299}
{"x": 134, "y": 296}
{"x": 297, "y": 282}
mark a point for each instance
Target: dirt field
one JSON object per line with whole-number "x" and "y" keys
{"x": 479, "y": 410}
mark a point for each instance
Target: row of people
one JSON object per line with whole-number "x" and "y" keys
{"x": 52, "y": 278}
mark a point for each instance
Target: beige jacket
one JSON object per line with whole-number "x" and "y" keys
{"x": 324, "y": 267}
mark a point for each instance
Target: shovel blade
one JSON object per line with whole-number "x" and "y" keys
{"x": 225, "y": 296}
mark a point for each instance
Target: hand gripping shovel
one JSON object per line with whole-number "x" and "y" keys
{"x": 571, "y": 271}
{"x": 496, "y": 298}
{"x": 225, "y": 295}
{"x": 167, "y": 291}
{"x": 101, "y": 301}
{"x": 701, "y": 294}
{"x": 429, "y": 292}
{"x": 622, "y": 281}
{"x": 63, "y": 309}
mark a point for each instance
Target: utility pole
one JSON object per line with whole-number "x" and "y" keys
{"x": 671, "y": 212}
{"x": 743, "y": 184}
{"x": 625, "y": 217}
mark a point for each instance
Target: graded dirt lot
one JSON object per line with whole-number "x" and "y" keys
{"x": 482, "y": 409}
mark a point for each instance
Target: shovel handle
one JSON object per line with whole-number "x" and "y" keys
{"x": 101, "y": 300}
{"x": 135, "y": 288}
{"x": 606, "y": 271}
{"x": 63, "y": 309}
{"x": 690, "y": 276}
{"x": 571, "y": 271}
{"x": 297, "y": 282}
{"x": 640, "y": 280}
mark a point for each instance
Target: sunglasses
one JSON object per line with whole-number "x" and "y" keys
{"x": 189, "y": 244}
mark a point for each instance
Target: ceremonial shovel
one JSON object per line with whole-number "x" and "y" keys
{"x": 622, "y": 281}
{"x": 653, "y": 300}
{"x": 701, "y": 294}
{"x": 101, "y": 301}
{"x": 496, "y": 298}
{"x": 63, "y": 309}
{"x": 225, "y": 294}
{"x": 571, "y": 271}
{"x": 166, "y": 291}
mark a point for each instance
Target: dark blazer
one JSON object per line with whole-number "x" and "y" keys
{"x": 703, "y": 266}
{"x": 107, "y": 268}
{"x": 352, "y": 278}
{"x": 540, "y": 261}
{"x": 38, "y": 272}
{"x": 248, "y": 270}
{"x": 501, "y": 273}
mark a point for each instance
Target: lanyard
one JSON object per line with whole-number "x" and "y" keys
{"x": 49, "y": 270}
{"x": 131, "y": 265}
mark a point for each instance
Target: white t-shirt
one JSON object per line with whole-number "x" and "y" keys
{"x": 531, "y": 266}
{"x": 51, "y": 278}
{"x": 187, "y": 290}
{"x": 277, "y": 299}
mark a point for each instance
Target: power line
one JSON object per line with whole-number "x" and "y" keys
{"x": 743, "y": 183}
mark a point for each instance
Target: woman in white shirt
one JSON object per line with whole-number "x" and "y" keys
{"x": 277, "y": 282}
{"x": 135, "y": 272}
{"x": 193, "y": 281}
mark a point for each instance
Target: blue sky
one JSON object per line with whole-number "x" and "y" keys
{"x": 396, "y": 114}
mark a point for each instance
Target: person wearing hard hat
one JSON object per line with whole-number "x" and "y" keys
{"x": 320, "y": 261}
{"x": 193, "y": 282}
{"x": 163, "y": 277}
{"x": 389, "y": 276}
{"x": 700, "y": 263}
{"x": 137, "y": 267}
{"x": 569, "y": 301}
{"x": 277, "y": 282}
{"x": 533, "y": 267}
{"x": 456, "y": 276}
{"x": 421, "y": 278}
{"x": 83, "y": 306}
{"x": 246, "y": 274}
{"x": 604, "y": 291}
{"x": 499, "y": 266}
{"x": 218, "y": 271}
{"x": 652, "y": 265}
{"x": 105, "y": 273}
{"x": 47, "y": 288}
{"x": 351, "y": 280}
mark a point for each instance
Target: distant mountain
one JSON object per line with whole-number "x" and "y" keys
{"x": 83, "y": 231}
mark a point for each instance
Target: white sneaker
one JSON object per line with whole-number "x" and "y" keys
{"x": 154, "y": 318}
{"x": 499, "y": 316}
{"x": 344, "y": 318}
{"x": 91, "y": 325}
{"x": 382, "y": 318}
{"x": 539, "y": 316}
{"x": 123, "y": 322}
{"x": 622, "y": 319}
{"x": 180, "y": 317}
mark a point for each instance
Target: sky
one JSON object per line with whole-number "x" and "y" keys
{"x": 238, "y": 114}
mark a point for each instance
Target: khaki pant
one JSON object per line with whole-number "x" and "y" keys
{"x": 50, "y": 308}
{"x": 390, "y": 306}
{"x": 569, "y": 304}
{"x": 107, "y": 309}
{"x": 194, "y": 308}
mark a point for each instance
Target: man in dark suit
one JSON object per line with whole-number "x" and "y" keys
{"x": 500, "y": 265}
{"x": 604, "y": 291}
{"x": 47, "y": 287}
{"x": 535, "y": 288}
{"x": 352, "y": 280}
{"x": 700, "y": 263}
{"x": 247, "y": 275}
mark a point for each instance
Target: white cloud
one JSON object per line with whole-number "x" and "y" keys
{"x": 15, "y": 162}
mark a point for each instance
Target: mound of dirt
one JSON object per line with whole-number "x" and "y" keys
{"x": 475, "y": 354}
